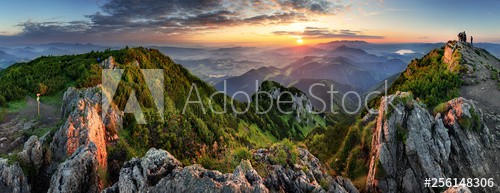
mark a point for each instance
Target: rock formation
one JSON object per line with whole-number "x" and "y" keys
{"x": 158, "y": 171}
{"x": 83, "y": 125}
{"x": 12, "y": 178}
{"x": 410, "y": 145}
{"x": 78, "y": 173}
{"x": 32, "y": 153}
{"x": 83, "y": 137}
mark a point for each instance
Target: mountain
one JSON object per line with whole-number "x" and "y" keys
{"x": 16, "y": 54}
{"x": 250, "y": 81}
{"x": 216, "y": 70}
{"x": 8, "y": 59}
{"x": 431, "y": 124}
{"x": 410, "y": 144}
{"x": 90, "y": 146}
{"x": 335, "y": 44}
{"x": 439, "y": 119}
{"x": 344, "y": 65}
{"x": 300, "y": 51}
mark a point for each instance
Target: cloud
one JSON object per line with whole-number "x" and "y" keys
{"x": 325, "y": 33}
{"x": 208, "y": 13}
{"x": 162, "y": 18}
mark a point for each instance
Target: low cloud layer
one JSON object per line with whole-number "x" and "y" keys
{"x": 325, "y": 33}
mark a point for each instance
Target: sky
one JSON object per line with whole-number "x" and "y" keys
{"x": 245, "y": 22}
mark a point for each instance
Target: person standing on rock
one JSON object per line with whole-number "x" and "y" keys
{"x": 465, "y": 37}
{"x": 471, "y": 40}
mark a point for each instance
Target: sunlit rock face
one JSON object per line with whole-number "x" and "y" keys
{"x": 409, "y": 145}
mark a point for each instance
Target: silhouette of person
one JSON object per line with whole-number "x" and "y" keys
{"x": 465, "y": 37}
{"x": 471, "y": 40}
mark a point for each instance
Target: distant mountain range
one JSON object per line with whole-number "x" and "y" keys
{"x": 350, "y": 69}
{"x": 213, "y": 64}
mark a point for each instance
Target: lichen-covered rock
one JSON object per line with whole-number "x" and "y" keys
{"x": 78, "y": 173}
{"x": 410, "y": 145}
{"x": 12, "y": 178}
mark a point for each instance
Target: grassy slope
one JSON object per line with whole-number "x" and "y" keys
{"x": 191, "y": 137}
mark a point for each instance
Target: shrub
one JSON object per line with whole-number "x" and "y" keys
{"x": 441, "y": 108}
{"x": 429, "y": 79}
{"x": 324, "y": 184}
{"x": 401, "y": 133}
{"x": 285, "y": 152}
{"x": 280, "y": 157}
{"x": 242, "y": 153}
{"x": 473, "y": 123}
{"x": 380, "y": 172}
{"x": 3, "y": 102}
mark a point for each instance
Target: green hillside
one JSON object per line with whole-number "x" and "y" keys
{"x": 192, "y": 137}
{"x": 345, "y": 146}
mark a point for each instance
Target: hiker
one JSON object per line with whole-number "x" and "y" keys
{"x": 459, "y": 36}
{"x": 465, "y": 37}
{"x": 471, "y": 40}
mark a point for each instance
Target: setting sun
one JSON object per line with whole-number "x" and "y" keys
{"x": 300, "y": 41}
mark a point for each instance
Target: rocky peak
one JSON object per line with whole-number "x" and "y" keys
{"x": 301, "y": 106}
{"x": 410, "y": 145}
{"x": 480, "y": 72}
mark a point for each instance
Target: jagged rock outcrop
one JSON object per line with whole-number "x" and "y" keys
{"x": 32, "y": 153}
{"x": 306, "y": 175}
{"x": 410, "y": 145}
{"x": 78, "y": 173}
{"x": 158, "y": 171}
{"x": 83, "y": 125}
{"x": 12, "y": 178}
{"x": 84, "y": 132}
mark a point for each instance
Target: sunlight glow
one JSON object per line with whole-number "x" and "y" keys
{"x": 300, "y": 41}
